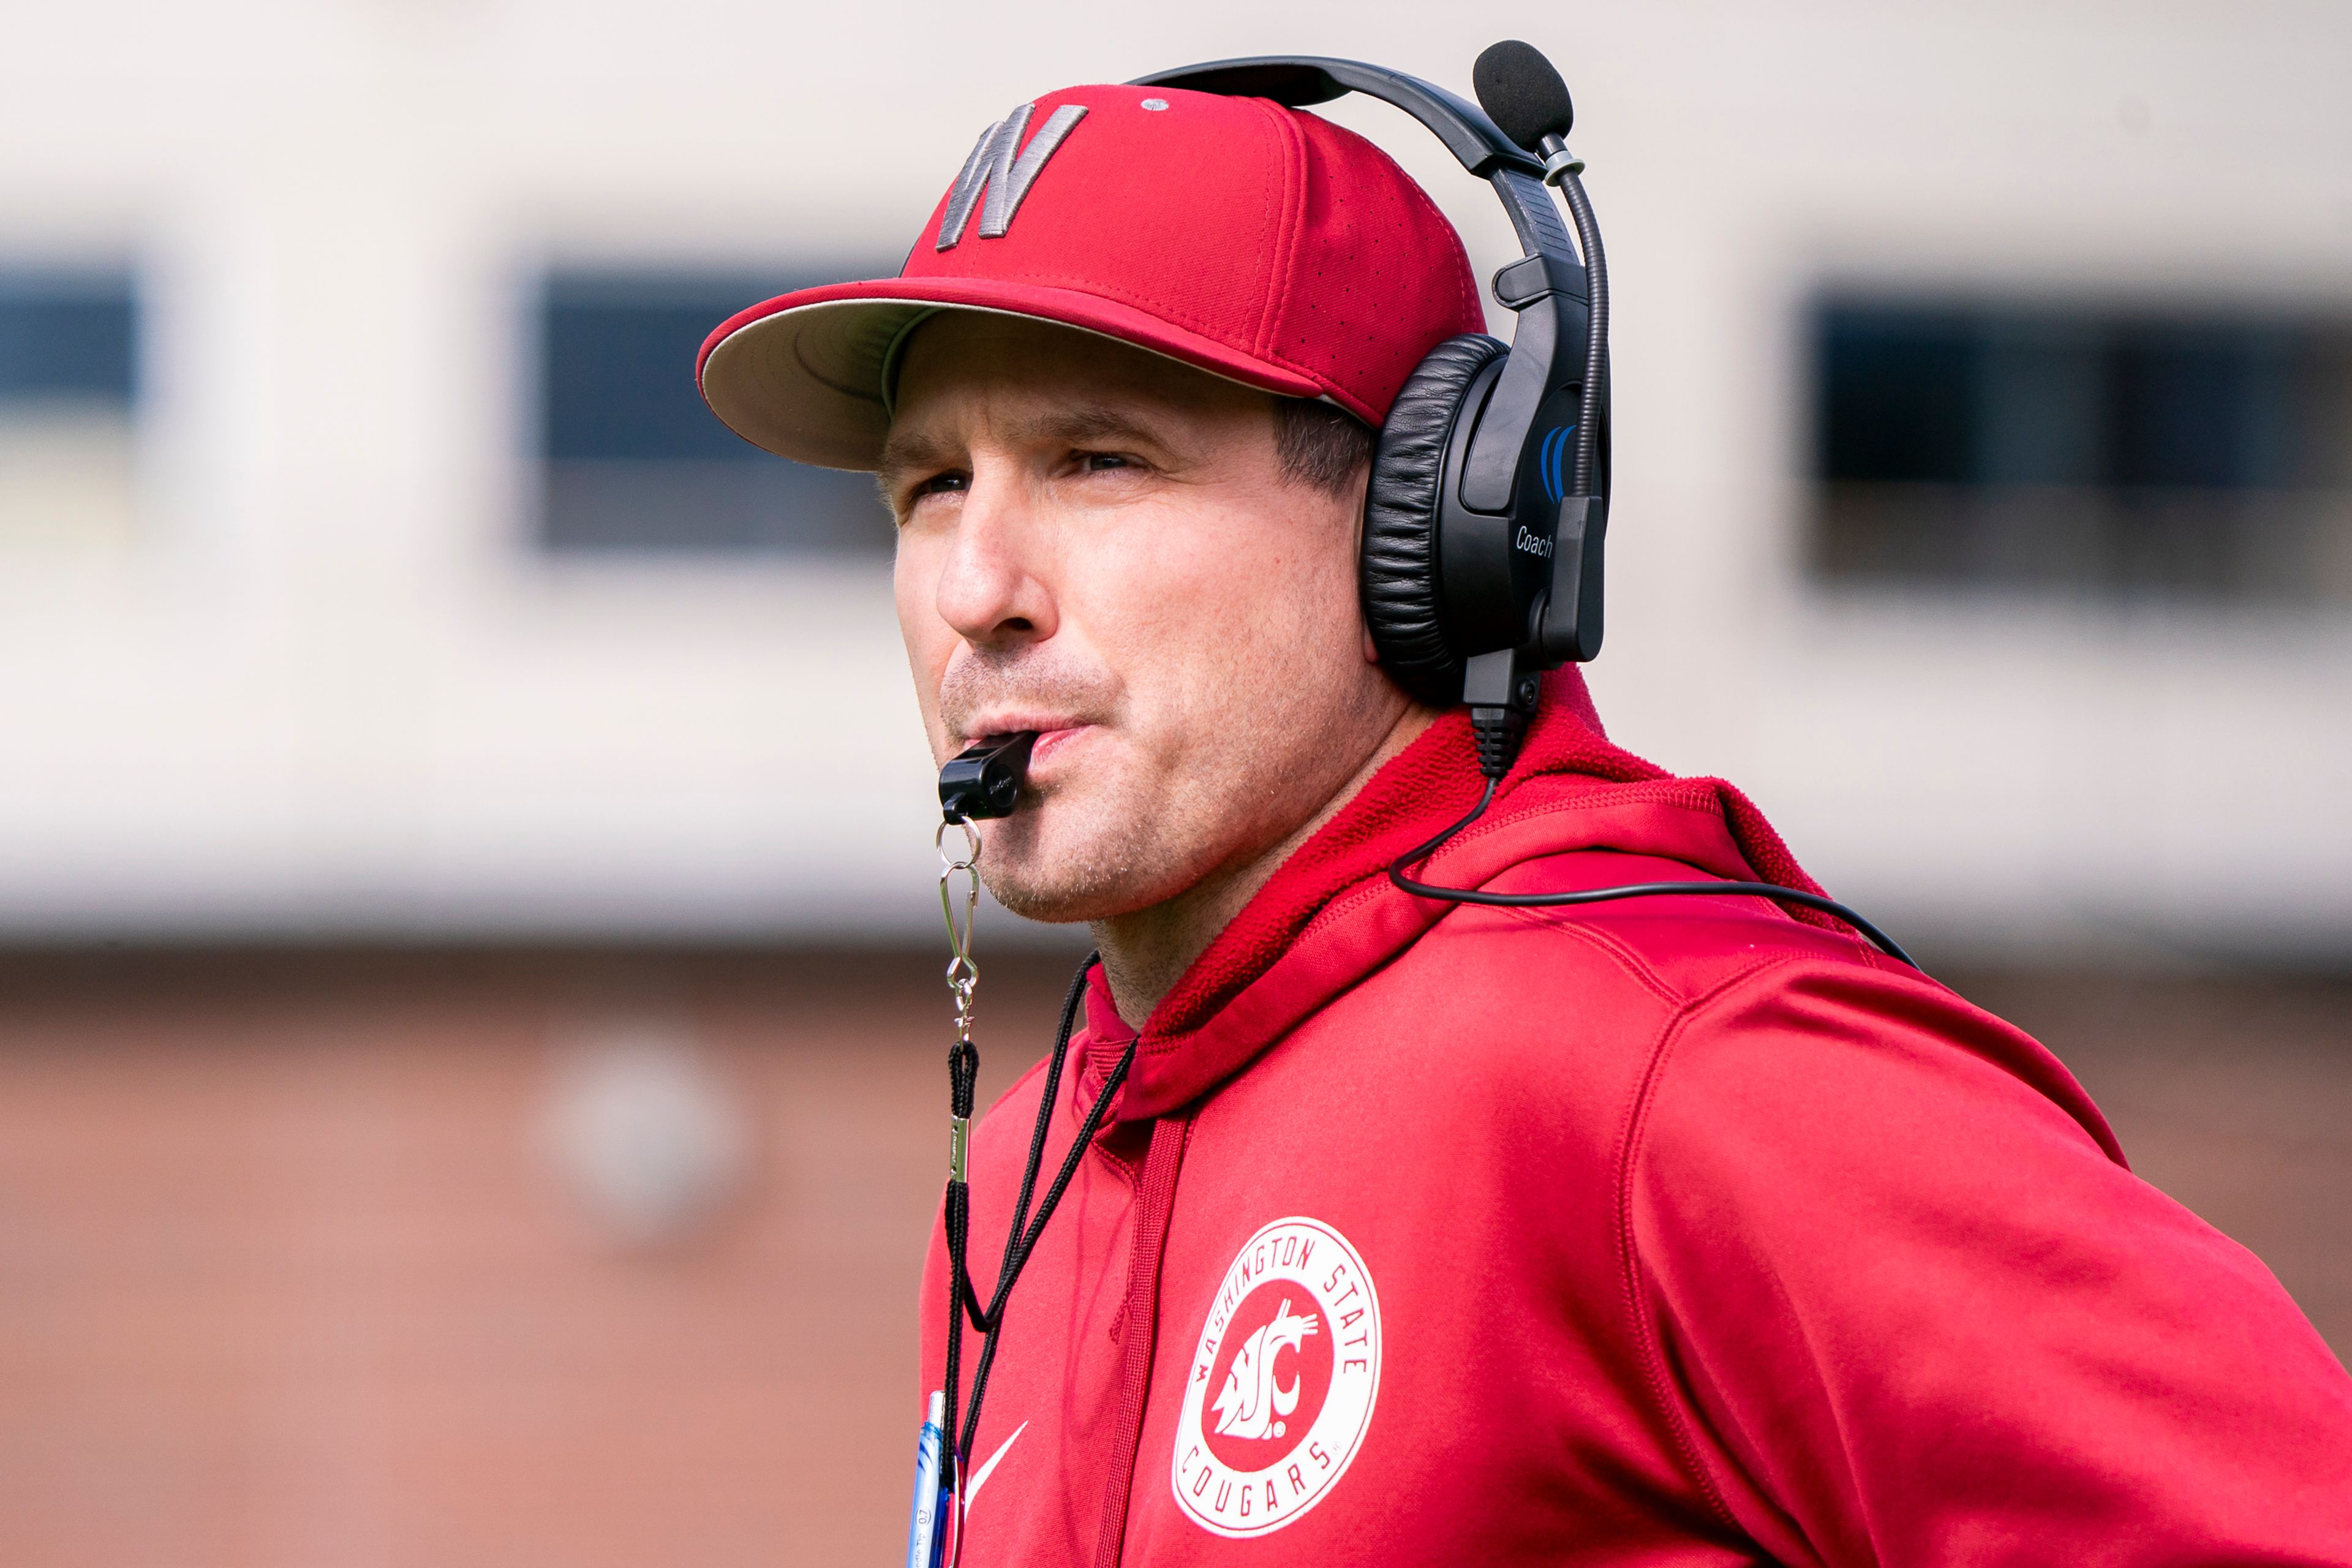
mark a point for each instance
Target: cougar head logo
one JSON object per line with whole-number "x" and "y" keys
{"x": 1252, "y": 1403}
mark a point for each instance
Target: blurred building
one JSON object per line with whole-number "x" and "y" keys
{"x": 369, "y": 576}
{"x": 370, "y": 568}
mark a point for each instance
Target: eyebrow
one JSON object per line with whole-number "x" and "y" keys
{"x": 1085, "y": 421}
{"x": 1076, "y": 424}
{"x": 905, "y": 454}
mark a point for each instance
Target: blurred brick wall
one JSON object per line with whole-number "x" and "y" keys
{"x": 290, "y": 1274}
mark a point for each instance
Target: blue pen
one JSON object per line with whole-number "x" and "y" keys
{"x": 923, "y": 1527}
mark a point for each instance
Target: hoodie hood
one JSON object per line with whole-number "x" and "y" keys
{"x": 1329, "y": 916}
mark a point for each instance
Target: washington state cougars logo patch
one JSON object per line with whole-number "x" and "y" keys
{"x": 1280, "y": 1392}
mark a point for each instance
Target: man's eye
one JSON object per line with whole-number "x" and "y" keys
{"x": 943, "y": 484}
{"x": 1101, "y": 462}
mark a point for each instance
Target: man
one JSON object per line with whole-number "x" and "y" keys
{"x": 1665, "y": 1230}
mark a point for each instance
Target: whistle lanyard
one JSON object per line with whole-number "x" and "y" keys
{"x": 946, "y": 1546}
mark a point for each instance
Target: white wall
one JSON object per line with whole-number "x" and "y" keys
{"x": 328, "y": 689}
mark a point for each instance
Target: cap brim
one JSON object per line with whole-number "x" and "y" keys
{"x": 804, "y": 376}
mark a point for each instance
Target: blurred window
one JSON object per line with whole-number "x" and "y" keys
{"x": 2093, "y": 452}
{"x": 68, "y": 350}
{"x": 634, "y": 462}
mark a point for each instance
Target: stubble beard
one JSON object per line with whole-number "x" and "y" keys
{"x": 1073, "y": 850}
{"x": 1153, "y": 818}
{"x": 1059, "y": 862}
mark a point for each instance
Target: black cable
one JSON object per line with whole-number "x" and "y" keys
{"x": 1022, "y": 1236}
{"x": 1773, "y": 891}
{"x": 964, "y": 1065}
{"x": 1071, "y": 999}
{"x": 964, "y": 1069}
{"x": 1078, "y": 1147}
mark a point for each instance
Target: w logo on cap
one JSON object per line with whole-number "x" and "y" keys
{"x": 1005, "y": 170}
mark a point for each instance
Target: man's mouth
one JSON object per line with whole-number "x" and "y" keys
{"x": 1053, "y": 733}
{"x": 1050, "y": 742}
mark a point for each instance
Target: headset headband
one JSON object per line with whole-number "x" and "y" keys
{"x": 1537, "y": 289}
{"x": 1296, "y": 81}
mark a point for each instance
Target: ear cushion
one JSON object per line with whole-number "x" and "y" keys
{"x": 1399, "y": 569}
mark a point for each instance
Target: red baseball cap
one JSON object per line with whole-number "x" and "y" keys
{"x": 1260, "y": 243}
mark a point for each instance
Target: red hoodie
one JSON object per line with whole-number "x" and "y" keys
{"x": 1663, "y": 1231}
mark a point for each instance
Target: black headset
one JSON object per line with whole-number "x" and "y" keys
{"x": 1488, "y": 499}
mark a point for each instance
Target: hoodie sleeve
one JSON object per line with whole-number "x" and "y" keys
{"x": 1908, "y": 1306}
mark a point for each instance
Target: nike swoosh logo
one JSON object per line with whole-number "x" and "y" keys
{"x": 980, "y": 1476}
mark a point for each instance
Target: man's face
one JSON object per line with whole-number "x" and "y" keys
{"x": 1100, "y": 545}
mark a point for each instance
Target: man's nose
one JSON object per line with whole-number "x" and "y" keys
{"x": 991, "y": 588}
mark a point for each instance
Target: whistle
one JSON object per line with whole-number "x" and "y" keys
{"x": 984, "y": 779}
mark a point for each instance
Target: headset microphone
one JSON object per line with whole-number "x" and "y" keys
{"x": 1522, "y": 92}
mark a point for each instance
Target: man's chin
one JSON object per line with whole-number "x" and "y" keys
{"x": 1050, "y": 906}
{"x": 1064, "y": 886}
{"x": 1036, "y": 892}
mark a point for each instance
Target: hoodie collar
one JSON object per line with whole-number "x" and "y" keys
{"x": 1329, "y": 916}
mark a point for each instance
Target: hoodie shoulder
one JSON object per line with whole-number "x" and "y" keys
{"x": 1893, "y": 1256}
{"x": 1606, "y": 991}
{"x": 1684, "y": 947}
